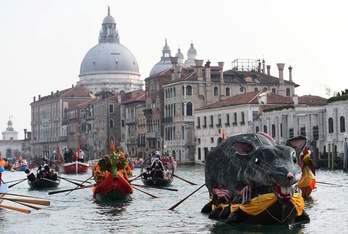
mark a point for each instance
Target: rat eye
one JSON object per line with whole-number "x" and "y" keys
{"x": 294, "y": 159}
{"x": 257, "y": 160}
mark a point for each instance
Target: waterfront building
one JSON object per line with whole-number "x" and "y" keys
{"x": 109, "y": 66}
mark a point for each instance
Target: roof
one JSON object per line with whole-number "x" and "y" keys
{"x": 311, "y": 100}
{"x": 134, "y": 96}
{"x": 75, "y": 91}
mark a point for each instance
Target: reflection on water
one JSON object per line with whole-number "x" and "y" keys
{"x": 80, "y": 213}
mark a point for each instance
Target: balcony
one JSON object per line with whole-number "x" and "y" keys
{"x": 168, "y": 119}
{"x": 130, "y": 121}
{"x": 151, "y": 135}
{"x": 218, "y": 125}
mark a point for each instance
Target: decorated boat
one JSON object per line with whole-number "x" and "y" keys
{"x": 159, "y": 173}
{"x": 111, "y": 177}
{"x": 252, "y": 180}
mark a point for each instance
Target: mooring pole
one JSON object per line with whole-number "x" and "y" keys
{"x": 333, "y": 156}
{"x": 345, "y": 158}
{"x": 328, "y": 155}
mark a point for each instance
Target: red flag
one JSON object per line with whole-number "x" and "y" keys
{"x": 76, "y": 155}
{"x": 112, "y": 146}
{"x": 223, "y": 134}
{"x": 59, "y": 155}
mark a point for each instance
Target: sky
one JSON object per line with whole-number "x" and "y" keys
{"x": 42, "y": 43}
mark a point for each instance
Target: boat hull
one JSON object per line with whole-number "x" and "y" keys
{"x": 20, "y": 168}
{"x": 157, "y": 182}
{"x": 112, "y": 196}
{"x": 75, "y": 168}
{"x": 43, "y": 184}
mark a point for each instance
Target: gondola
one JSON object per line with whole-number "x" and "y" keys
{"x": 157, "y": 175}
{"x": 43, "y": 183}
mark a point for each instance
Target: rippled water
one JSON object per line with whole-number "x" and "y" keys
{"x": 79, "y": 213}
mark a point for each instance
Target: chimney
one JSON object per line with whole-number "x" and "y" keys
{"x": 268, "y": 70}
{"x": 72, "y": 86}
{"x": 281, "y": 72}
{"x": 39, "y": 97}
{"x": 34, "y": 98}
{"x": 198, "y": 68}
{"x": 221, "y": 70}
{"x": 207, "y": 70}
{"x": 290, "y": 73}
{"x": 25, "y": 134}
{"x": 57, "y": 92}
{"x": 263, "y": 66}
{"x": 174, "y": 61}
{"x": 51, "y": 93}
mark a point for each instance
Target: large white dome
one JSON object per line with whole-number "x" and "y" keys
{"x": 108, "y": 58}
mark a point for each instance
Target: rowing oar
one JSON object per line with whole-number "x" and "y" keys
{"x": 182, "y": 200}
{"x": 136, "y": 178}
{"x": 151, "y": 195}
{"x": 17, "y": 183}
{"x": 144, "y": 186}
{"x": 37, "y": 202}
{"x": 69, "y": 190}
{"x": 8, "y": 182}
{"x": 191, "y": 183}
{"x": 15, "y": 209}
{"x": 70, "y": 181}
{"x": 339, "y": 185}
{"x": 27, "y": 205}
{"x": 19, "y": 195}
{"x": 76, "y": 180}
{"x": 80, "y": 185}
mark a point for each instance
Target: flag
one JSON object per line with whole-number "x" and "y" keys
{"x": 223, "y": 135}
{"x": 76, "y": 155}
{"x": 59, "y": 155}
{"x": 112, "y": 146}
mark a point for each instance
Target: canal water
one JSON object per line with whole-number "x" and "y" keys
{"x": 79, "y": 213}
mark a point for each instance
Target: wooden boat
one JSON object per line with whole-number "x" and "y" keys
{"x": 75, "y": 167}
{"x": 158, "y": 176}
{"x": 43, "y": 183}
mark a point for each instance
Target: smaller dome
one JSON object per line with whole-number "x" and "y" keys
{"x": 179, "y": 55}
{"x": 109, "y": 20}
{"x": 165, "y": 62}
{"x": 192, "y": 52}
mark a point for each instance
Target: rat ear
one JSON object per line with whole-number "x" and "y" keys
{"x": 298, "y": 143}
{"x": 243, "y": 148}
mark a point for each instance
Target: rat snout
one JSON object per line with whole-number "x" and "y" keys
{"x": 290, "y": 176}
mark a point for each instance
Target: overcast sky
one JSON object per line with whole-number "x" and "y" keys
{"x": 42, "y": 43}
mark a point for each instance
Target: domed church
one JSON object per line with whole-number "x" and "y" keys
{"x": 109, "y": 66}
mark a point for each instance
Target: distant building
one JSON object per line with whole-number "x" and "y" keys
{"x": 109, "y": 66}
{"x": 9, "y": 133}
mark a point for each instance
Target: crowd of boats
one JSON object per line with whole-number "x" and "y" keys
{"x": 112, "y": 180}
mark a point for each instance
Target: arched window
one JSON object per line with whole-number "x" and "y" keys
{"x": 265, "y": 128}
{"x": 288, "y": 92}
{"x": 111, "y": 123}
{"x": 331, "y": 125}
{"x": 228, "y": 92}
{"x": 189, "y": 109}
{"x": 216, "y": 91}
{"x": 342, "y": 124}
{"x": 189, "y": 90}
{"x": 273, "y": 90}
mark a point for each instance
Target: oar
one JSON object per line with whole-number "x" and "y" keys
{"x": 136, "y": 178}
{"x": 31, "y": 206}
{"x": 70, "y": 181}
{"x": 65, "y": 178}
{"x": 49, "y": 180}
{"x": 8, "y": 182}
{"x": 15, "y": 209}
{"x": 339, "y": 185}
{"x": 182, "y": 200}
{"x": 19, "y": 195}
{"x": 151, "y": 195}
{"x": 69, "y": 190}
{"x": 17, "y": 183}
{"x": 80, "y": 185}
{"x": 144, "y": 186}
{"x": 191, "y": 183}
{"x": 37, "y": 202}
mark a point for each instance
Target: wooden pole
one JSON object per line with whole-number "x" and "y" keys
{"x": 15, "y": 209}
{"x": 328, "y": 155}
{"x": 333, "y": 156}
{"x": 182, "y": 200}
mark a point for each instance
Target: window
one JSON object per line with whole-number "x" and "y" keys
{"x": 211, "y": 139}
{"x": 273, "y": 131}
{"x": 199, "y": 153}
{"x": 216, "y": 91}
{"x": 206, "y": 151}
{"x": 183, "y": 109}
{"x": 342, "y": 124}
{"x": 227, "y": 120}
{"x": 183, "y": 90}
{"x": 243, "y": 120}
{"x": 122, "y": 123}
{"x": 256, "y": 89}
{"x": 273, "y": 90}
{"x": 189, "y": 90}
{"x": 174, "y": 90}
{"x": 219, "y": 121}
{"x": 182, "y": 132}
{"x": 189, "y": 109}
{"x": 111, "y": 108}
{"x": 228, "y": 92}
{"x": 330, "y": 125}
{"x": 111, "y": 125}
{"x": 241, "y": 89}
{"x": 315, "y": 133}
{"x": 234, "y": 119}
{"x": 211, "y": 121}
{"x": 257, "y": 129}
{"x": 198, "y": 122}
{"x": 265, "y": 128}
{"x": 205, "y": 122}
{"x": 281, "y": 130}
{"x": 291, "y": 133}
{"x": 288, "y": 92}
{"x": 199, "y": 141}
{"x": 303, "y": 131}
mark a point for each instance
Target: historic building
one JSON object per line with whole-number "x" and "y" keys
{"x": 10, "y": 146}
{"x": 131, "y": 121}
{"x": 48, "y": 119}
{"x": 191, "y": 88}
{"x": 109, "y": 66}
